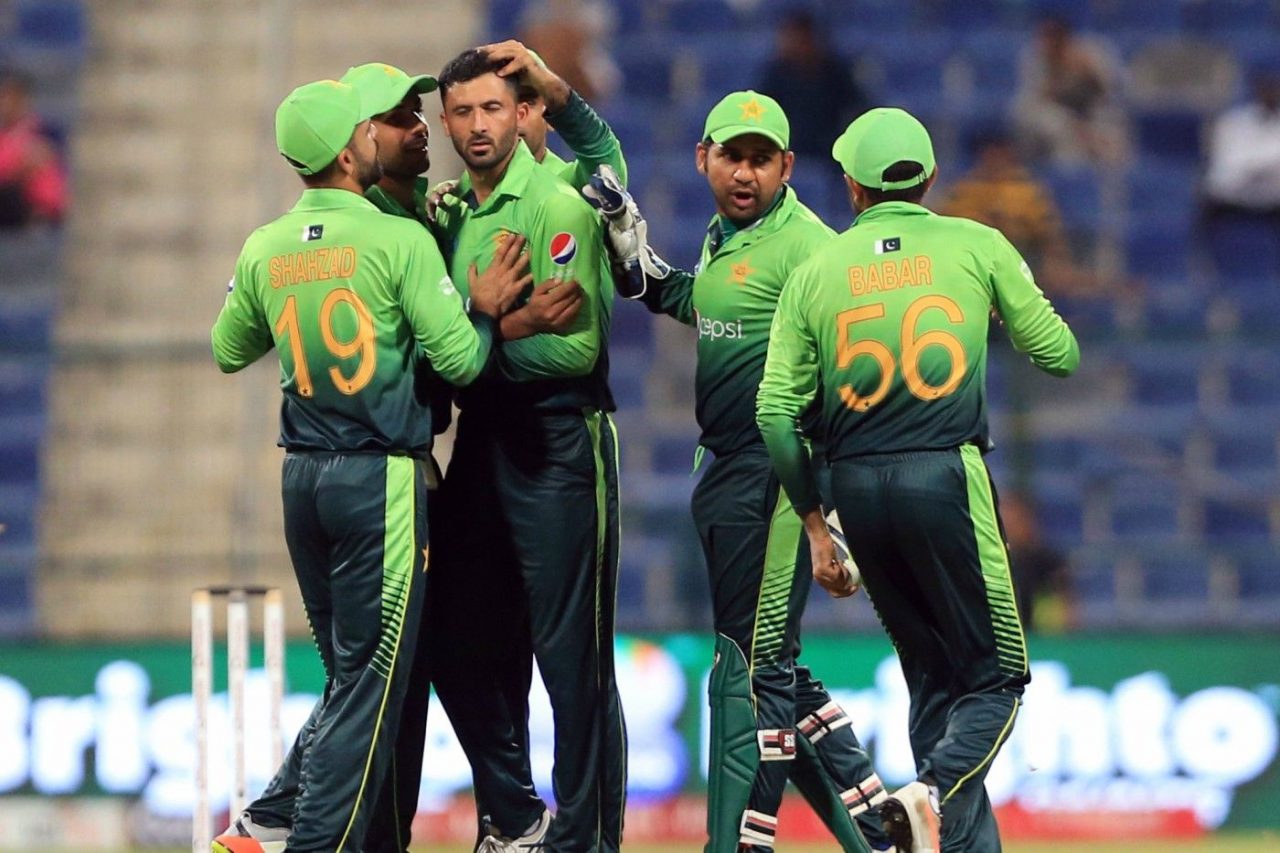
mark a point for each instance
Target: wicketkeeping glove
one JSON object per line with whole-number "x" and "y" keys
{"x": 626, "y": 234}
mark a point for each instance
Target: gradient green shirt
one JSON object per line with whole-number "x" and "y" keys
{"x": 731, "y": 301}
{"x": 544, "y": 371}
{"x": 351, "y": 299}
{"x": 592, "y": 141}
{"x": 888, "y": 321}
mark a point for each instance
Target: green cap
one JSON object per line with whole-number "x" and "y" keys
{"x": 879, "y": 138}
{"x": 739, "y": 113}
{"x": 384, "y": 86}
{"x": 315, "y": 122}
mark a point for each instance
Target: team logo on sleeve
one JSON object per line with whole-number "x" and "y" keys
{"x": 562, "y": 248}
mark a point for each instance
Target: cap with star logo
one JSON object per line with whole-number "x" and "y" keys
{"x": 740, "y": 113}
{"x": 384, "y": 86}
{"x": 881, "y": 138}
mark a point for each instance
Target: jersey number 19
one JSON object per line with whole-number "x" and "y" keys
{"x": 363, "y": 343}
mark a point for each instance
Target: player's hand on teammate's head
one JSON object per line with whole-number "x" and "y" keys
{"x": 554, "y": 305}
{"x": 529, "y": 70}
{"x": 495, "y": 290}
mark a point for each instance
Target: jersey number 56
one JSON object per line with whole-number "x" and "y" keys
{"x": 911, "y": 348}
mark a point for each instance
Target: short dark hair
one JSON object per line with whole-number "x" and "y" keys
{"x": 903, "y": 170}
{"x": 467, "y": 66}
{"x": 323, "y": 177}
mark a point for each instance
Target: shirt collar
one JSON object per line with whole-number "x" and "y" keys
{"x": 722, "y": 230}
{"x": 328, "y": 198}
{"x": 514, "y": 179}
{"x": 890, "y": 210}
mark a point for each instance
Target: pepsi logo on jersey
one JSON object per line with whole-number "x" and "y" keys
{"x": 562, "y": 248}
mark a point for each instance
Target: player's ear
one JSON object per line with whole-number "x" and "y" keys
{"x": 788, "y": 164}
{"x": 700, "y": 157}
{"x": 347, "y": 161}
{"x": 522, "y": 110}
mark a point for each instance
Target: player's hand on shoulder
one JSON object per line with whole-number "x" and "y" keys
{"x": 443, "y": 203}
{"x": 554, "y": 305}
{"x": 495, "y": 290}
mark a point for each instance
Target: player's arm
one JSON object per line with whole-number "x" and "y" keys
{"x": 1033, "y": 325}
{"x": 574, "y": 351}
{"x": 589, "y": 136}
{"x": 786, "y": 392}
{"x": 241, "y": 335}
{"x": 457, "y": 345}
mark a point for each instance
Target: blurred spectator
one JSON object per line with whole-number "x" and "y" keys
{"x": 33, "y": 186}
{"x": 1067, "y": 105}
{"x": 814, "y": 85}
{"x": 1040, "y": 577}
{"x": 1000, "y": 191}
{"x": 1242, "y": 180}
{"x": 567, "y": 34}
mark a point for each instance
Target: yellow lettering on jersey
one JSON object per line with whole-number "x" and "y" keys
{"x": 873, "y": 278}
{"x": 924, "y": 269}
{"x": 890, "y": 275}
{"x": 312, "y": 265}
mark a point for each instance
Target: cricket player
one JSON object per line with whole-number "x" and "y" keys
{"x": 756, "y": 557}
{"x": 887, "y": 325}
{"x": 531, "y": 496}
{"x": 351, "y": 300}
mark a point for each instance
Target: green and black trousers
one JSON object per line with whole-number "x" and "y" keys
{"x": 356, "y": 528}
{"x": 925, "y": 531}
{"x": 527, "y": 566}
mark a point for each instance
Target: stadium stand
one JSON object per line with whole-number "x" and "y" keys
{"x": 46, "y": 41}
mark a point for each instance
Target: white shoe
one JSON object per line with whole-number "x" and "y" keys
{"x": 271, "y": 839}
{"x": 912, "y": 820}
{"x": 532, "y": 838}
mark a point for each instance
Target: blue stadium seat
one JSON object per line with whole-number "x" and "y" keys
{"x": 1259, "y": 574}
{"x": 1146, "y": 511}
{"x": 1075, "y": 189}
{"x": 1061, "y": 518}
{"x": 1143, "y": 16}
{"x": 56, "y": 24}
{"x": 1243, "y": 248}
{"x": 22, "y": 387}
{"x": 674, "y": 454}
{"x": 700, "y": 16}
{"x": 1174, "y": 308}
{"x": 628, "y": 371}
{"x": 1253, "y": 377}
{"x": 1245, "y": 452}
{"x": 1171, "y": 135}
{"x": 1159, "y": 248}
{"x": 1093, "y": 581}
{"x": 1229, "y": 522}
{"x": 1176, "y": 576}
{"x": 1164, "y": 374}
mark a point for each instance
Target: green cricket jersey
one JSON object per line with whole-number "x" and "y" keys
{"x": 590, "y": 138}
{"x": 889, "y": 322}
{"x": 544, "y": 371}
{"x": 351, "y": 299}
{"x": 731, "y": 301}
